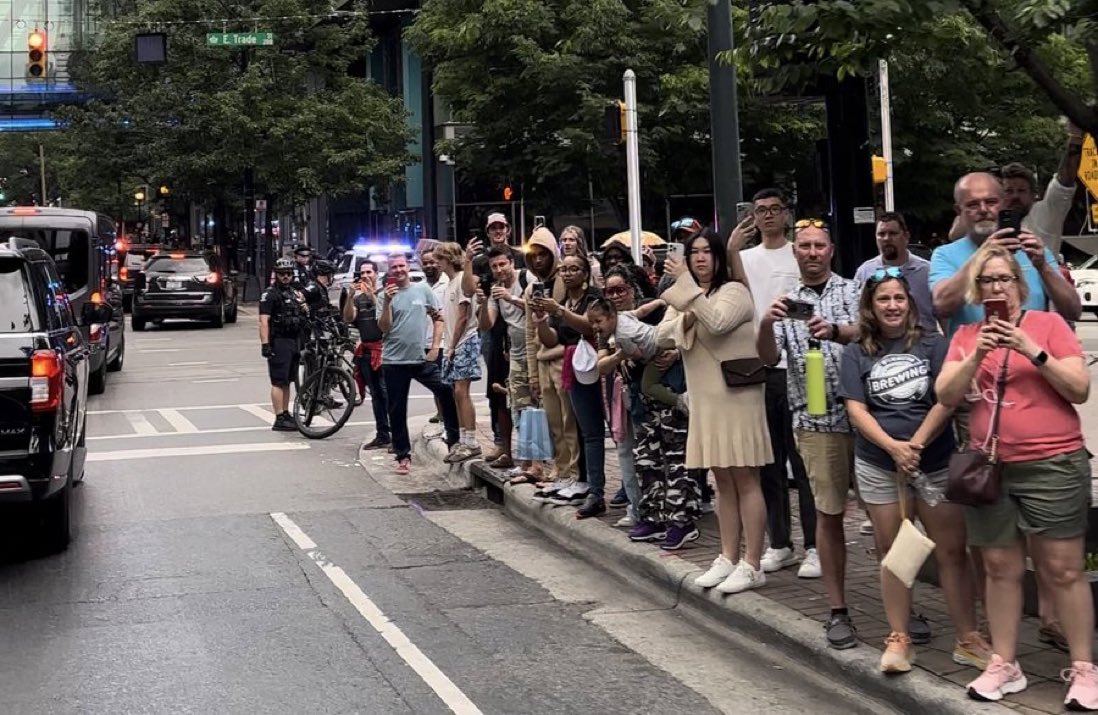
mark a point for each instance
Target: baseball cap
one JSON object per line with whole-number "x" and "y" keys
{"x": 585, "y": 364}
{"x": 496, "y": 218}
{"x": 302, "y": 250}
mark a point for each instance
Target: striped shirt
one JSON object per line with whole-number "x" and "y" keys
{"x": 838, "y": 304}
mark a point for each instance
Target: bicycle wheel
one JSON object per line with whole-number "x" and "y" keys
{"x": 324, "y": 403}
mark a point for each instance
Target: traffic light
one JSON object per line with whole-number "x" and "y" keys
{"x": 508, "y": 193}
{"x": 36, "y": 54}
{"x": 880, "y": 170}
{"x": 614, "y": 122}
{"x": 164, "y": 191}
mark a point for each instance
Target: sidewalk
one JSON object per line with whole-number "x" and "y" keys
{"x": 788, "y": 612}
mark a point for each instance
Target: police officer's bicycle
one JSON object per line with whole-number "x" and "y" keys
{"x": 326, "y": 391}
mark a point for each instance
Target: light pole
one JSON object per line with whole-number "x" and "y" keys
{"x": 139, "y": 199}
{"x": 724, "y": 119}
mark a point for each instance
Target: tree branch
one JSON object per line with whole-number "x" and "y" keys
{"x": 1082, "y": 115}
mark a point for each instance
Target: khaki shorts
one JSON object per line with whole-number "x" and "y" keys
{"x": 1046, "y": 497}
{"x": 518, "y": 387}
{"x": 829, "y": 460}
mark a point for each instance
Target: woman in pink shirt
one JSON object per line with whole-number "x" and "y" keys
{"x": 1045, "y": 475}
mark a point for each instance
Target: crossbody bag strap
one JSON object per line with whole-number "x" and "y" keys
{"x": 1000, "y": 389}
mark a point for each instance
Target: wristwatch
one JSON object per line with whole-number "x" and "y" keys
{"x": 1039, "y": 359}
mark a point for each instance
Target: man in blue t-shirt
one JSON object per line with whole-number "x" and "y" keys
{"x": 404, "y": 311}
{"x": 978, "y": 198}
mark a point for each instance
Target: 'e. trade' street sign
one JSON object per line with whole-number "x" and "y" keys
{"x": 240, "y": 39}
{"x": 1088, "y": 167}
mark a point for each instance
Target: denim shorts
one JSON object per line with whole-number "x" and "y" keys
{"x": 465, "y": 364}
{"x": 1045, "y": 497}
{"x": 877, "y": 485}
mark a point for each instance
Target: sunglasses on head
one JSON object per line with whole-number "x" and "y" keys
{"x": 810, "y": 223}
{"x": 883, "y": 273}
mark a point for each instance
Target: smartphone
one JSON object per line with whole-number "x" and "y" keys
{"x": 1012, "y": 219}
{"x": 996, "y": 309}
{"x": 390, "y": 281}
{"x": 676, "y": 251}
{"x": 798, "y": 309}
{"x": 537, "y": 290}
{"x": 539, "y": 221}
{"x": 743, "y": 210}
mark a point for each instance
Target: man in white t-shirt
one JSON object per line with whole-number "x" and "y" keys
{"x": 461, "y": 349}
{"x": 771, "y": 271}
{"x": 436, "y": 280}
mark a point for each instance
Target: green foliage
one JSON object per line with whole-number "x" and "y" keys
{"x": 290, "y": 111}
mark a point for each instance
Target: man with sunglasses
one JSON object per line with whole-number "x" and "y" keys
{"x": 978, "y": 199}
{"x": 892, "y": 241}
{"x": 825, "y": 442}
{"x": 770, "y": 270}
{"x": 282, "y": 322}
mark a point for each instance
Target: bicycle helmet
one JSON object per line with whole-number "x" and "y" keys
{"x": 323, "y": 268}
{"x": 284, "y": 265}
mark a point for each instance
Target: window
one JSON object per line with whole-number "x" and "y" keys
{"x": 17, "y": 313}
{"x": 189, "y": 265}
{"x": 69, "y": 249}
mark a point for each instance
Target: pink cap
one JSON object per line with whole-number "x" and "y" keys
{"x": 496, "y": 218}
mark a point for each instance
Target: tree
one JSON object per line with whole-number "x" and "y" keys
{"x": 290, "y": 112}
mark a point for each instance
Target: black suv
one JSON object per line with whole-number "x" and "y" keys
{"x": 44, "y": 360}
{"x": 184, "y": 285}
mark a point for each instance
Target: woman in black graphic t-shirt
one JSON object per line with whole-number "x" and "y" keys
{"x": 887, "y": 379}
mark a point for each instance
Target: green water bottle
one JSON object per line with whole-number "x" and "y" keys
{"x": 814, "y": 384}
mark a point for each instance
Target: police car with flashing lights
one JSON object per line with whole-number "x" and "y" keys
{"x": 1086, "y": 283}
{"x": 350, "y": 263}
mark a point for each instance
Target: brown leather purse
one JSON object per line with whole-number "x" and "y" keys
{"x": 743, "y": 372}
{"x": 975, "y": 475}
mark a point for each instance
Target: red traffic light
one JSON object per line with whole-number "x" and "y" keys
{"x": 508, "y": 193}
{"x": 36, "y": 54}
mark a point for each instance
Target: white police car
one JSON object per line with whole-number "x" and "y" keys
{"x": 350, "y": 263}
{"x": 1086, "y": 283}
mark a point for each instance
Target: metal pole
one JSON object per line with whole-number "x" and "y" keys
{"x": 724, "y": 119}
{"x": 632, "y": 163}
{"x": 886, "y": 134}
{"x": 522, "y": 212}
{"x": 591, "y": 201}
{"x": 42, "y": 172}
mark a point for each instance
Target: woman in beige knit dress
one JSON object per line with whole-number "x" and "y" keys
{"x": 710, "y": 319}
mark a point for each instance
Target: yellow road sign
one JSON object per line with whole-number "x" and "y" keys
{"x": 1088, "y": 168}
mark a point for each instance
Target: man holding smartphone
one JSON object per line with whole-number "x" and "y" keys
{"x": 361, "y": 311}
{"x": 978, "y": 200}
{"x": 405, "y": 310}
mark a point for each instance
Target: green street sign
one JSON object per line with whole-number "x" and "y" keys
{"x": 240, "y": 39}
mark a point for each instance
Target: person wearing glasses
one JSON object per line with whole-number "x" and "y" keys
{"x": 770, "y": 270}
{"x": 824, "y": 441}
{"x": 1045, "y": 477}
{"x": 901, "y": 432}
{"x": 892, "y": 242}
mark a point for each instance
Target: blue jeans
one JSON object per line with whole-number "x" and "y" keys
{"x": 629, "y": 471}
{"x": 378, "y": 400}
{"x": 587, "y": 406}
{"x": 398, "y": 380}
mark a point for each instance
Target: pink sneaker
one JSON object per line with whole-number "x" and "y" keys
{"x": 1000, "y": 678}
{"x": 403, "y": 466}
{"x": 1083, "y": 687}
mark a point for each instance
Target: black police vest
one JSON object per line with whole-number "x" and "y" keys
{"x": 287, "y": 314}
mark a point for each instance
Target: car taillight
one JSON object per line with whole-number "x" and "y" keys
{"x": 95, "y": 331}
{"x": 124, "y": 273}
{"x": 213, "y": 278}
{"x": 45, "y": 383}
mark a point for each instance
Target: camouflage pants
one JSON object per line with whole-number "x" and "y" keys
{"x": 668, "y": 493}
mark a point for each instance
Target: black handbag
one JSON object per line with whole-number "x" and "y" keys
{"x": 743, "y": 372}
{"x": 975, "y": 475}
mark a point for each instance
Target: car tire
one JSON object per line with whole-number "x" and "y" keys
{"x": 219, "y": 318}
{"x": 127, "y": 303}
{"x": 97, "y": 381}
{"x": 57, "y": 519}
{"x": 137, "y": 323}
{"x": 116, "y": 364}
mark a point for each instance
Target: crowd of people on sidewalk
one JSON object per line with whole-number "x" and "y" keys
{"x": 752, "y": 360}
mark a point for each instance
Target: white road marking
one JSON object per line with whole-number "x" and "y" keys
{"x": 219, "y": 430}
{"x": 262, "y": 413}
{"x": 161, "y": 350}
{"x": 171, "y": 407}
{"x": 178, "y": 421}
{"x": 188, "y": 364}
{"x": 444, "y": 688}
{"x": 140, "y": 423}
{"x": 220, "y": 379}
{"x": 126, "y": 454}
{"x": 142, "y": 341}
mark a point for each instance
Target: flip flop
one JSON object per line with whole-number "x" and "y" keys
{"x": 524, "y": 478}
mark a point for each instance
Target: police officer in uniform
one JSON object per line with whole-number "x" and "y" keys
{"x": 303, "y": 267}
{"x": 282, "y": 322}
{"x": 316, "y": 291}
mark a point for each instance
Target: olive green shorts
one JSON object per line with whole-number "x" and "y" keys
{"x": 1046, "y": 497}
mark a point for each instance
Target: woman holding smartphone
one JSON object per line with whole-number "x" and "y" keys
{"x": 1045, "y": 470}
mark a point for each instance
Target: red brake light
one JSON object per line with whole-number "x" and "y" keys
{"x": 25, "y": 211}
{"x": 177, "y": 256}
{"x": 124, "y": 273}
{"x": 46, "y": 378}
{"x": 213, "y": 278}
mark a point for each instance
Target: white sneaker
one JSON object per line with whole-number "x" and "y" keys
{"x": 810, "y": 567}
{"x": 572, "y": 495}
{"x": 626, "y": 522}
{"x": 742, "y": 579}
{"x": 866, "y": 529}
{"x": 777, "y": 559}
{"x": 719, "y": 571}
{"x": 543, "y": 495}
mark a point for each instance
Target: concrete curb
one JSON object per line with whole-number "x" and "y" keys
{"x": 749, "y": 613}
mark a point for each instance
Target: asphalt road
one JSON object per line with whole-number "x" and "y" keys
{"x": 221, "y": 567}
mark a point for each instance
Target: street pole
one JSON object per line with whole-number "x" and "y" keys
{"x": 723, "y": 117}
{"x": 886, "y": 134}
{"x": 42, "y": 172}
{"x": 632, "y": 164}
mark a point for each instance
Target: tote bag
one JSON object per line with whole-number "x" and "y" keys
{"x": 534, "y": 440}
